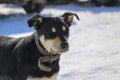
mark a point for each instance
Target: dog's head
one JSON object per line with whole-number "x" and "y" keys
{"x": 53, "y": 32}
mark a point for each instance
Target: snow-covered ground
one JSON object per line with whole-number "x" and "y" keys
{"x": 94, "y": 41}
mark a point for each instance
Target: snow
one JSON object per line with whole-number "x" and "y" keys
{"x": 94, "y": 41}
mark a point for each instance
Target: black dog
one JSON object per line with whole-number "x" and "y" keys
{"x": 36, "y": 57}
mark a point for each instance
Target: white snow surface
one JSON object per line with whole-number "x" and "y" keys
{"x": 94, "y": 42}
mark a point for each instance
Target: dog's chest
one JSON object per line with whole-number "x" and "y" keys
{"x": 53, "y": 77}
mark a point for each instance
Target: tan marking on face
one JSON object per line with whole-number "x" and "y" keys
{"x": 66, "y": 39}
{"x": 57, "y": 41}
{"x": 42, "y": 39}
{"x": 63, "y": 28}
{"x": 51, "y": 43}
{"x": 53, "y": 29}
{"x": 70, "y": 18}
{"x": 54, "y": 77}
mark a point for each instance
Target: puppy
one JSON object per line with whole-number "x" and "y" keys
{"x": 36, "y": 57}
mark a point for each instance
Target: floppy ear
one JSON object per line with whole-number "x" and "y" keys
{"x": 68, "y": 17}
{"x": 35, "y": 21}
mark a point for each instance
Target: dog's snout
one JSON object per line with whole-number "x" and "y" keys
{"x": 64, "y": 45}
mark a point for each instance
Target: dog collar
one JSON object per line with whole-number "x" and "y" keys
{"x": 48, "y": 57}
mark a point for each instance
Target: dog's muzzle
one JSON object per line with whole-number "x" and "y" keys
{"x": 62, "y": 48}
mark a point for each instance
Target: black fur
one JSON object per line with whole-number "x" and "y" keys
{"x": 19, "y": 56}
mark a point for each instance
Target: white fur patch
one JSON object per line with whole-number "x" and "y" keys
{"x": 54, "y": 77}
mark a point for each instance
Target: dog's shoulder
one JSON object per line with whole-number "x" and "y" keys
{"x": 11, "y": 43}
{"x": 7, "y": 40}
{"x": 3, "y": 38}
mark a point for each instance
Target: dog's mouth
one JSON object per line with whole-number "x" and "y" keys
{"x": 58, "y": 51}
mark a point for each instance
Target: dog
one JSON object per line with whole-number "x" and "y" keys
{"x": 36, "y": 57}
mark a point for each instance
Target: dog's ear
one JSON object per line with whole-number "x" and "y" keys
{"x": 35, "y": 21}
{"x": 68, "y": 17}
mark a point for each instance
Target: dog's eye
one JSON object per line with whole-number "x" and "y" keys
{"x": 50, "y": 33}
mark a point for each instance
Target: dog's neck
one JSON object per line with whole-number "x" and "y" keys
{"x": 40, "y": 48}
{"x": 47, "y": 57}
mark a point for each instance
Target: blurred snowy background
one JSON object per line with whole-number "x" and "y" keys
{"x": 94, "y": 40}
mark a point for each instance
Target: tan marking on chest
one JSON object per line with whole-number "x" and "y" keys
{"x": 54, "y": 77}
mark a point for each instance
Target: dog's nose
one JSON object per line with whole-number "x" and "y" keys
{"x": 64, "y": 45}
